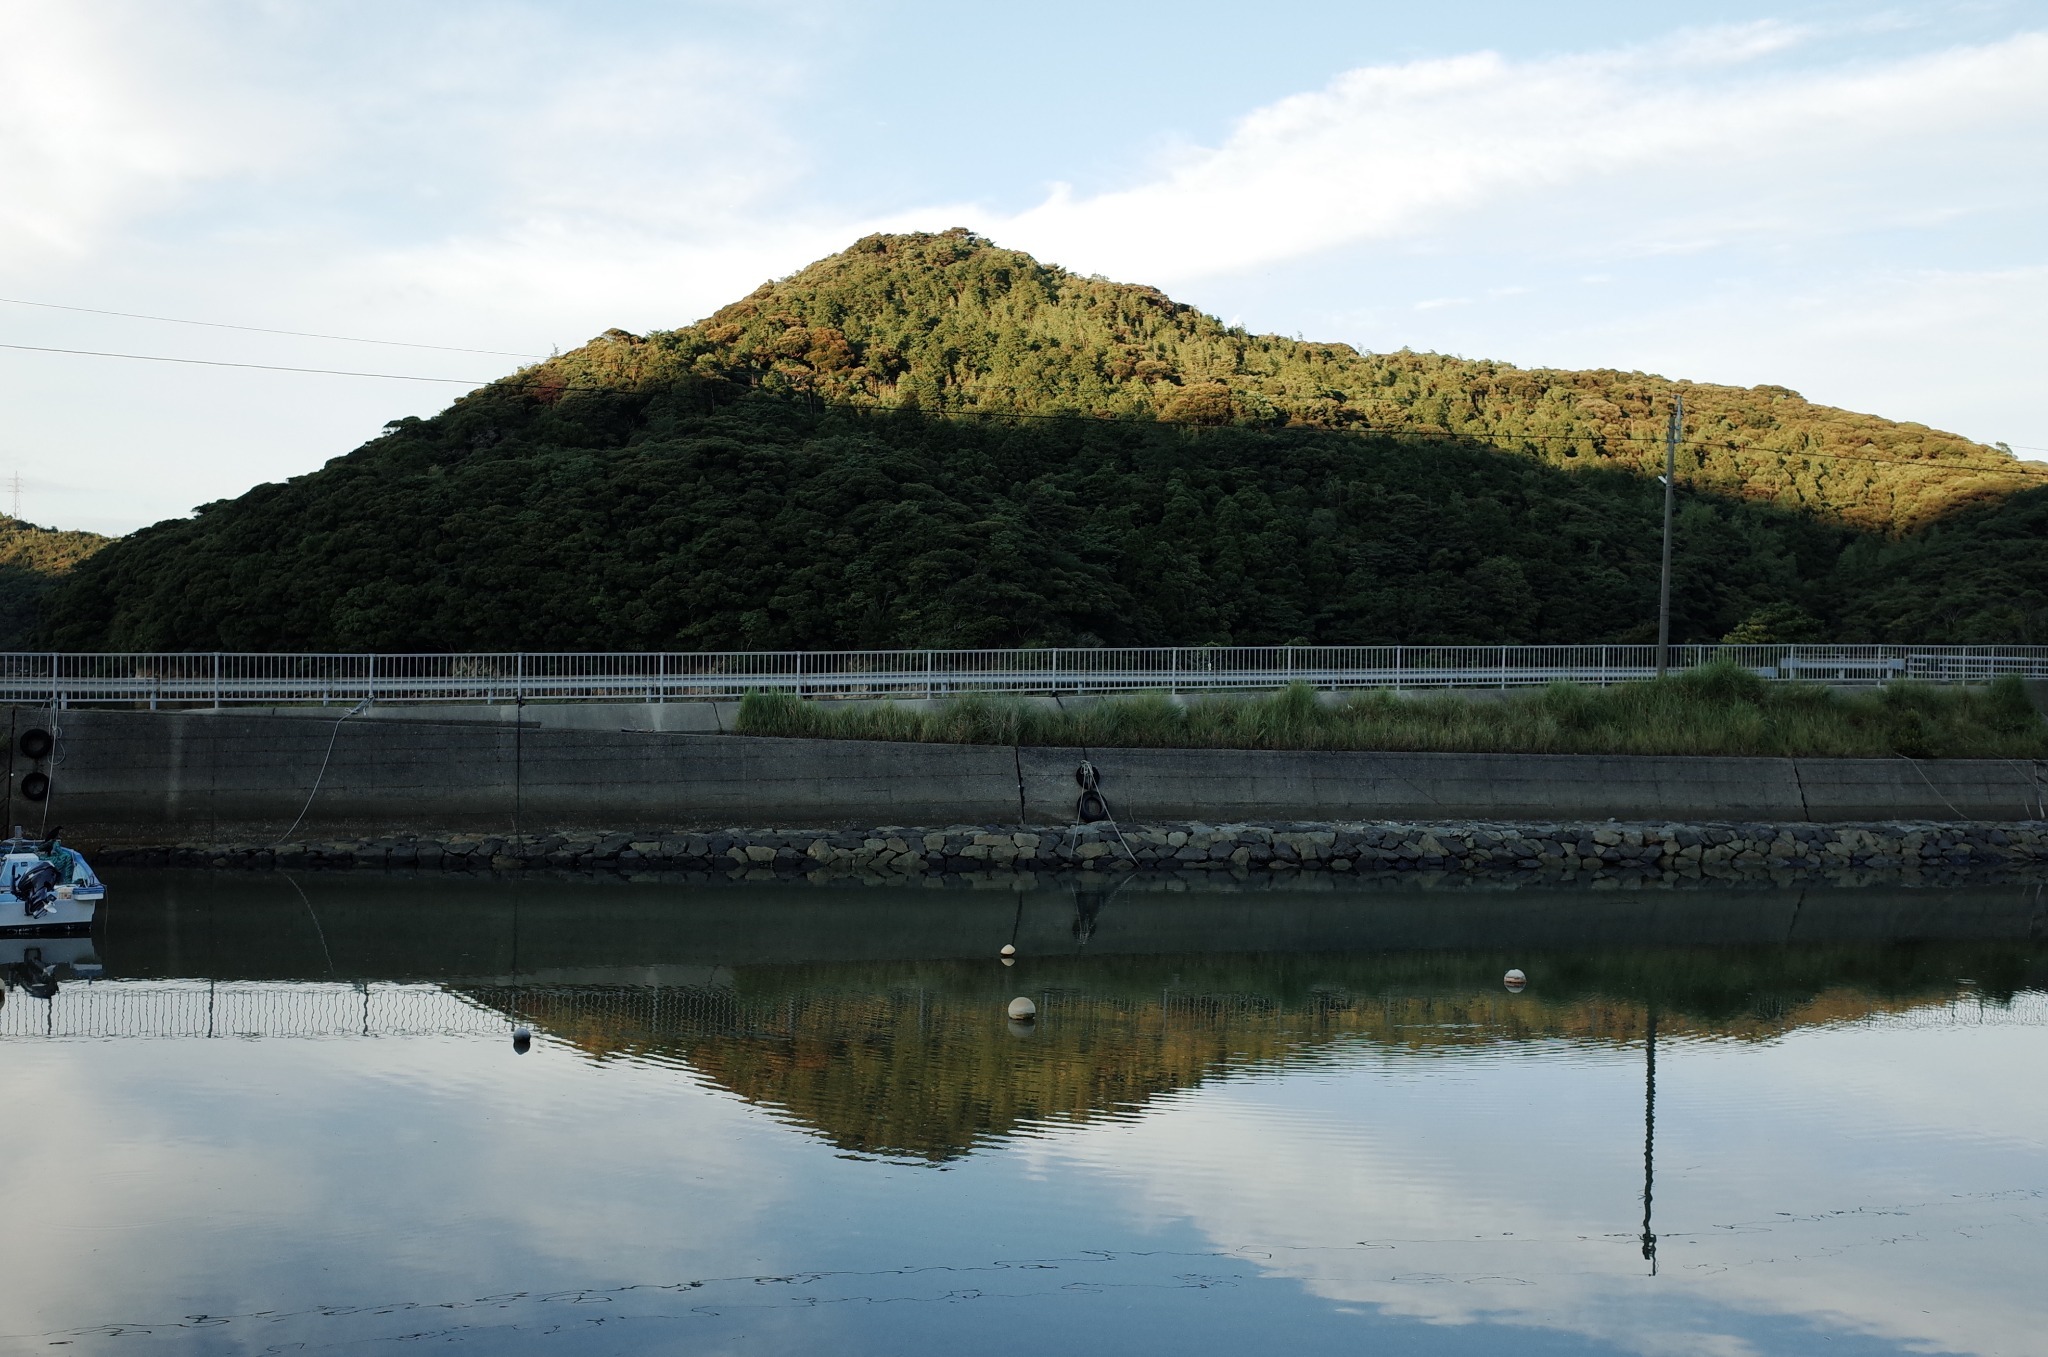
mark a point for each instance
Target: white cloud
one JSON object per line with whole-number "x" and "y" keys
{"x": 1389, "y": 153}
{"x": 89, "y": 131}
{"x": 490, "y": 176}
{"x": 399, "y": 1169}
{"x": 1501, "y": 1188}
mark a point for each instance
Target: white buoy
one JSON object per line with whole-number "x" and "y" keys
{"x": 1023, "y": 1010}
{"x": 1515, "y": 981}
{"x": 1009, "y": 949}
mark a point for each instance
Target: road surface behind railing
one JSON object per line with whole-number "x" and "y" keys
{"x": 208, "y": 679}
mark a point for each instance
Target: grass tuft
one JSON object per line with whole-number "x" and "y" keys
{"x": 1716, "y": 709}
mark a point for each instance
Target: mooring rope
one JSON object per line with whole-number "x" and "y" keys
{"x": 1930, "y": 785}
{"x": 1091, "y": 785}
{"x": 318, "y": 777}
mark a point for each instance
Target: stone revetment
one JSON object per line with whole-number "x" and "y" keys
{"x": 1602, "y": 849}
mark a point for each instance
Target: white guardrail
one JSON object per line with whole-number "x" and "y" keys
{"x": 184, "y": 1009}
{"x": 59, "y": 679}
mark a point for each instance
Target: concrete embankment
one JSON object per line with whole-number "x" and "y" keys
{"x": 226, "y": 777}
{"x": 1634, "y": 853}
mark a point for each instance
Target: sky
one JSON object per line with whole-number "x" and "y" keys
{"x": 1841, "y": 198}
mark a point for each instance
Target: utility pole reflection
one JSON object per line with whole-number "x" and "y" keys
{"x": 1649, "y": 1134}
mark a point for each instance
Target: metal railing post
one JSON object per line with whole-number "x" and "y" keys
{"x": 179, "y": 679}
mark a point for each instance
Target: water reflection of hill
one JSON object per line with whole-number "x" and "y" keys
{"x": 920, "y": 1061}
{"x": 875, "y": 1017}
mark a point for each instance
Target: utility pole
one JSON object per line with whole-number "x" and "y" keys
{"x": 1671, "y": 433}
{"x": 15, "y": 486}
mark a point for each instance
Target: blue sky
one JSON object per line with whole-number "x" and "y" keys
{"x": 1841, "y": 198}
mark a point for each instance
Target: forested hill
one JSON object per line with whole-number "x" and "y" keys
{"x": 32, "y": 560}
{"x": 927, "y": 440}
{"x": 951, "y": 322}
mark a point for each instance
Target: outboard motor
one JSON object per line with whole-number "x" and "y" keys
{"x": 36, "y": 888}
{"x": 30, "y": 976}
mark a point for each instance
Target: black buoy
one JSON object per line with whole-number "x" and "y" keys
{"x": 522, "y": 1041}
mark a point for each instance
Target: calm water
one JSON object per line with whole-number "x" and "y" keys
{"x": 287, "y": 1116}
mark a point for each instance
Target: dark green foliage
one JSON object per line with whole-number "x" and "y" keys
{"x": 660, "y": 523}
{"x": 1716, "y": 709}
{"x": 1979, "y": 577}
{"x": 32, "y": 561}
{"x": 928, "y": 441}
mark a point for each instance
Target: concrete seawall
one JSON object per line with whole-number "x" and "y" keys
{"x": 137, "y": 776}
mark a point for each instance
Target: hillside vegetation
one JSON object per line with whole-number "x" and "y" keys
{"x": 32, "y": 560}
{"x": 927, "y": 440}
{"x": 950, "y": 322}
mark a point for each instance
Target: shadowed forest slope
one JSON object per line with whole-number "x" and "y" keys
{"x": 927, "y": 440}
{"x": 32, "y": 561}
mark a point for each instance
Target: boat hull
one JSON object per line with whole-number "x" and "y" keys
{"x": 64, "y": 918}
{"x": 45, "y": 929}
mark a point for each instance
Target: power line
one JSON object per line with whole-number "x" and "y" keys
{"x": 994, "y": 414}
{"x": 546, "y": 380}
{"x": 261, "y": 330}
{"x": 220, "y": 363}
{"x": 1927, "y": 464}
{"x": 1922, "y": 463}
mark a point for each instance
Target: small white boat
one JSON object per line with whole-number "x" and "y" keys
{"x": 46, "y": 889}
